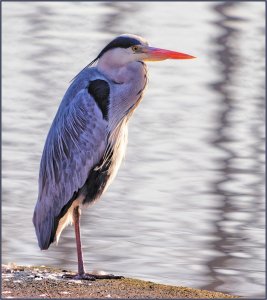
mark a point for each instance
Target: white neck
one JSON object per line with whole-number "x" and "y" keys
{"x": 114, "y": 62}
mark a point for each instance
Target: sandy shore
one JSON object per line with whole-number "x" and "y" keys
{"x": 46, "y": 282}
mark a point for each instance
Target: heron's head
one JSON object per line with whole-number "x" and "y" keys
{"x": 128, "y": 48}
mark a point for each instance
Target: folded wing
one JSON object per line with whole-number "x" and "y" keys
{"x": 75, "y": 144}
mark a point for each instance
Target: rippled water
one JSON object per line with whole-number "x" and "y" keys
{"x": 187, "y": 207}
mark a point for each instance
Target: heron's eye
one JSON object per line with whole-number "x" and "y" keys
{"x": 135, "y": 48}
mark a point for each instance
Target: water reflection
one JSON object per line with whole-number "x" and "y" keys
{"x": 187, "y": 205}
{"x": 116, "y": 13}
{"x": 233, "y": 219}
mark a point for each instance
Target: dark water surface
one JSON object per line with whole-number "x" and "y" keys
{"x": 187, "y": 207}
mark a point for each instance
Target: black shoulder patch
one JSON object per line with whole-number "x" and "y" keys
{"x": 99, "y": 89}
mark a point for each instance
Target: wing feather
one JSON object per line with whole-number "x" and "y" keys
{"x": 75, "y": 144}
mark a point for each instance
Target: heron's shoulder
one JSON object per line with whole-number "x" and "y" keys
{"x": 85, "y": 76}
{"x": 81, "y": 82}
{"x": 88, "y": 74}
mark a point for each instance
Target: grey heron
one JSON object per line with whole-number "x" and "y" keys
{"x": 87, "y": 139}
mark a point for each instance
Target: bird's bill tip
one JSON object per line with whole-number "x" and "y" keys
{"x": 157, "y": 54}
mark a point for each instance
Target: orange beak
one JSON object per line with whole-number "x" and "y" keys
{"x": 157, "y": 54}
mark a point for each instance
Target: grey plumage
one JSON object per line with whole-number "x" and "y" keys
{"x": 76, "y": 143}
{"x": 87, "y": 139}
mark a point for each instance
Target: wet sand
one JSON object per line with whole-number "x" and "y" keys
{"x": 46, "y": 282}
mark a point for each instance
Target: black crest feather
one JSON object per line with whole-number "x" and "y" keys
{"x": 119, "y": 42}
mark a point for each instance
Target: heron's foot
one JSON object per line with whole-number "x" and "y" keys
{"x": 105, "y": 276}
{"x": 79, "y": 277}
{"x": 91, "y": 277}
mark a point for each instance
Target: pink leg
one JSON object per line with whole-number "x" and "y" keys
{"x": 81, "y": 274}
{"x": 76, "y": 217}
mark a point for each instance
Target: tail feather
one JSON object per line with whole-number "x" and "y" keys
{"x": 43, "y": 221}
{"x": 47, "y": 223}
